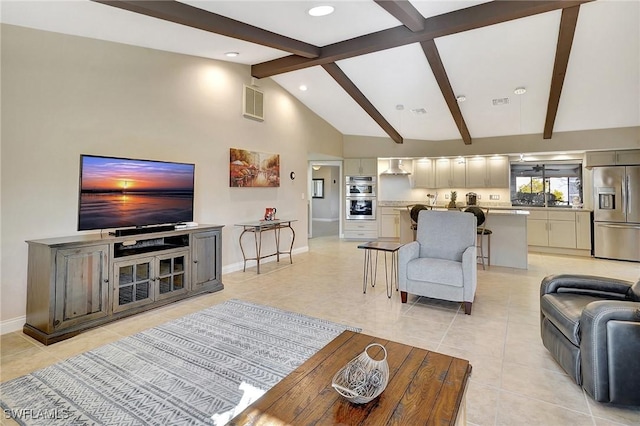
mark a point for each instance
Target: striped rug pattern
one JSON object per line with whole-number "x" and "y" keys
{"x": 193, "y": 370}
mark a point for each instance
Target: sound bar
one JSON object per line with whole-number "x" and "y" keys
{"x": 145, "y": 230}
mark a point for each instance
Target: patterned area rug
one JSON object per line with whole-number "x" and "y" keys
{"x": 199, "y": 369}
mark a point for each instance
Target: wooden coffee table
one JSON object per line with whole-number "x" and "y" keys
{"x": 425, "y": 388}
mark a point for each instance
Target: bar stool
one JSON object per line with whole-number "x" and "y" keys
{"x": 414, "y": 211}
{"x": 482, "y": 231}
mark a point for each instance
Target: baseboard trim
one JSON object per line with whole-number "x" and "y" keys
{"x": 13, "y": 324}
{"x": 234, "y": 267}
{"x": 559, "y": 250}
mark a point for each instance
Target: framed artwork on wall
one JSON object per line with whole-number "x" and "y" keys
{"x": 253, "y": 169}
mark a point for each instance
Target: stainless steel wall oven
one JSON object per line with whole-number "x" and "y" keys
{"x": 361, "y": 208}
{"x": 361, "y": 186}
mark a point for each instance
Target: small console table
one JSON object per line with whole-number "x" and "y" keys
{"x": 257, "y": 228}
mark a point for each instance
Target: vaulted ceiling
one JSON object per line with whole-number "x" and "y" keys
{"x": 396, "y": 68}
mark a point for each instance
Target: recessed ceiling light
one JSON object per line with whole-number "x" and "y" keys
{"x": 399, "y": 107}
{"x": 231, "y": 54}
{"x": 520, "y": 91}
{"x": 321, "y": 10}
{"x": 461, "y": 98}
{"x": 303, "y": 87}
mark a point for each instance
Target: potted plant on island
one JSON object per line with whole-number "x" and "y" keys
{"x": 452, "y": 203}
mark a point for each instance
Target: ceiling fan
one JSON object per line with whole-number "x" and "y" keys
{"x": 539, "y": 168}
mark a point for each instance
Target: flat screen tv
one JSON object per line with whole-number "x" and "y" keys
{"x": 125, "y": 192}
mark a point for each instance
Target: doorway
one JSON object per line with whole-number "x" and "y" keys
{"x": 325, "y": 195}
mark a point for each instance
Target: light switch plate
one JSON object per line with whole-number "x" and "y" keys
{"x": 494, "y": 197}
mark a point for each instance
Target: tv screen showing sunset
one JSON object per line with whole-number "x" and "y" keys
{"x": 117, "y": 192}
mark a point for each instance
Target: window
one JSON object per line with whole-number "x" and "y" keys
{"x": 546, "y": 184}
{"x": 318, "y": 188}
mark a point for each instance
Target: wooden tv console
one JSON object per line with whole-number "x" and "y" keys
{"x": 79, "y": 282}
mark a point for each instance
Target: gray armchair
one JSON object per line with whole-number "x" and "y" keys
{"x": 591, "y": 326}
{"x": 441, "y": 263}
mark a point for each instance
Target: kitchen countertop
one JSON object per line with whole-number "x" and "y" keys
{"x": 490, "y": 207}
{"x": 492, "y": 210}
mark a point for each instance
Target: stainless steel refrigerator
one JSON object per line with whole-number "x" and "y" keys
{"x": 616, "y": 215}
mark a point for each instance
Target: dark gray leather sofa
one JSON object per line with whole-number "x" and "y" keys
{"x": 591, "y": 326}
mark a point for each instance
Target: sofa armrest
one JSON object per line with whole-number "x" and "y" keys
{"x": 610, "y": 288}
{"x": 406, "y": 253}
{"x": 610, "y": 343}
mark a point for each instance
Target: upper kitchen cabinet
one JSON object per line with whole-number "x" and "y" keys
{"x": 450, "y": 173}
{"x": 360, "y": 166}
{"x": 628, "y": 157}
{"x": 424, "y": 173}
{"x": 487, "y": 172}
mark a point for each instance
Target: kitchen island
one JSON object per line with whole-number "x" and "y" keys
{"x": 508, "y": 239}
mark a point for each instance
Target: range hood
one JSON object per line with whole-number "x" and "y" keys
{"x": 395, "y": 168}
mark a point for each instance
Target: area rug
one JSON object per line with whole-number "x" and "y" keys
{"x": 193, "y": 370}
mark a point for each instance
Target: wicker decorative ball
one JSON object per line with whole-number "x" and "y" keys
{"x": 363, "y": 378}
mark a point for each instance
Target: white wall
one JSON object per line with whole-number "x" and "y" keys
{"x": 63, "y": 96}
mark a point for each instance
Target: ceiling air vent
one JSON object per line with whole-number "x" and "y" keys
{"x": 500, "y": 101}
{"x": 252, "y": 103}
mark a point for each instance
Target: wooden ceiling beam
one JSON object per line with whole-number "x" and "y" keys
{"x": 404, "y": 12}
{"x": 474, "y": 17}
{"x": 184, "y": 14}
{"x": 341, "y": 78}
{"x": 433, "y": 56}
{"x": 568, "y": 23}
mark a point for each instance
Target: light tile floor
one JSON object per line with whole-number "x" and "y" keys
{"x": 514, "y": 380}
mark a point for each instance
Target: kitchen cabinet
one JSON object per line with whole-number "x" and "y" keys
{"x": 537, "y": 229}
{"x": 583, "y": 230}
{"x": 487, "y": 172}
{"x": 365, "y": 230}
{"x": 498, "y": 171}
{"x": 628, "y": 157}
{"x": 424, "y": 173}
{"x": 389, "y": 223}
{"x": 450, "y": 173}
{"x": 561, "y": 229}
{"x": 360, "y": 166}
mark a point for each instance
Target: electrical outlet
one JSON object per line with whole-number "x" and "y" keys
{"x": 446, "y": 196}
{"x": 494, "y": 197}
{"x": 479, "y": 197}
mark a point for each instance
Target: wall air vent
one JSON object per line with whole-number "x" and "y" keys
{"x": 252, "y": 103}
{"x": 500, "y": 101}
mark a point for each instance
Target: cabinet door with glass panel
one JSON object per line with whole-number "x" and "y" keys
{"x": 147, "y": 279}
{"x": 133, "y": 283}
{"x": 171, "y": 276}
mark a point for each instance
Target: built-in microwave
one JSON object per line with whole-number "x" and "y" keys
{"x": 361, "y": 186}
{"x": 361, "y": 208}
